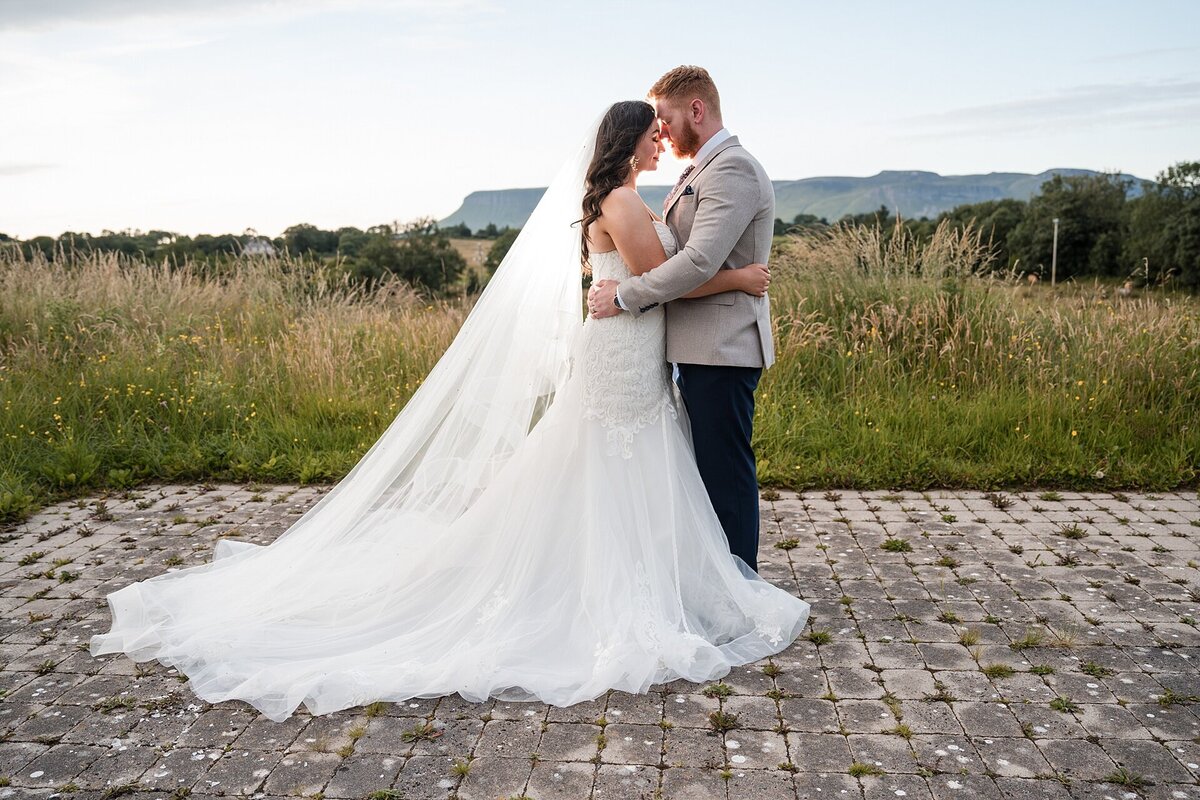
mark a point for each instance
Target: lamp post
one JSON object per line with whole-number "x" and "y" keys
{"x": 1054, "y": 255}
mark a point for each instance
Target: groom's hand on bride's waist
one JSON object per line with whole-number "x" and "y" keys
{"x": 602, "y": 300}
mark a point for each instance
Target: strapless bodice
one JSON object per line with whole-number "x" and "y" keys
{"x": 623, "y": 360}
{"x": 610, "y": 266}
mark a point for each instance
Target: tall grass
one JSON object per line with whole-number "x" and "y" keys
{"x": 910, "y": 364}
{"x": 115, "y": 371}
{"x": 899, "y": 364}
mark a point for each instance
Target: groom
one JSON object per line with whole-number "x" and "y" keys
{"x": 722, "y": 213}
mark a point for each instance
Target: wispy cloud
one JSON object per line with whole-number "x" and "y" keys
{"x": 10, "y": 170}
{"x": 135, "y": 45}
{"x": 58, "y": 87}
{"x": 1143, "y": 55}
{"x": 37, "y": 15}
{"x": 40, "y": 15}
{"x": 1139, "y": 105}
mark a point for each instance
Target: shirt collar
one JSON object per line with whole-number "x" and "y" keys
{"x": 710, "y": 145}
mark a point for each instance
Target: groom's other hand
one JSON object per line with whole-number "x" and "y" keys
{"x": 601, "y": 299}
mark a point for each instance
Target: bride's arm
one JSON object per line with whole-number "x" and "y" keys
{"x": 624, "y": 219}
{"x": 751, "y": 279}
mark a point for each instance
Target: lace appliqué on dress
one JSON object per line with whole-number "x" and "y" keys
{"x": 626, "y": 378}
{"x": 650, "y": 631}
{"x": 623, "y": 401}
{"x": 496, "y": 601}
{"x": 769, "y": 616}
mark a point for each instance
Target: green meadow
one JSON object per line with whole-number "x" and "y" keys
{"x": 901, "y": 364}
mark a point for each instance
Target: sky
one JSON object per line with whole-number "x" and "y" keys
{"x": 214, "y": 116}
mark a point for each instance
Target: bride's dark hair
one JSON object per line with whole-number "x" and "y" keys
{"x": 622, "y": 126}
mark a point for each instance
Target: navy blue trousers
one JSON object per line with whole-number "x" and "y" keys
{"x": 720, "y": 405}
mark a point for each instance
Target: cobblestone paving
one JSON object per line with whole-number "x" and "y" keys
{"x": 962, "y": 645}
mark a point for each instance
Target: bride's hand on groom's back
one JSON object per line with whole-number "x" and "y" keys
{"x": 755, "y": 279}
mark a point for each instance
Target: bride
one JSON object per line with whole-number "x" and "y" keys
{"x": 531, "y": 526}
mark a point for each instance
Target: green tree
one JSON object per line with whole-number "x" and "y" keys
{"x": 226, "y": 244}
{"x": 1090, "y": 210}
{"x": 377, "y": 258}
{"x": 882, "y": 215}
{"x": 1091, "y": 226}
{"x": 179, "y": 248}
{"x": 458, "y": 231}
{"x": 1164, "y": 226}
{"x": 800, "y": 223}
{"x": 500, "y": 248}
{"x": 39, "y": 244}
{"x": 305, "y": 238}
{"x": 420, "y": 254}
{"x": 351, "y": 241}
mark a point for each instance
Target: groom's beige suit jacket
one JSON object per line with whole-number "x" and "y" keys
{"x": 723, "y": 217}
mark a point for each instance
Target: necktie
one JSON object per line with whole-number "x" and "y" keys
{"x": 678, "y": 185}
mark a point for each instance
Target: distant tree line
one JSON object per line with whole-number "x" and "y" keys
{"x": 489, "y": 231}
{"x": 1151, "y": 239}
{"x": 420, "y": 252}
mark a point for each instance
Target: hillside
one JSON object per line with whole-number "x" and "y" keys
{"x": 913, "y": 193}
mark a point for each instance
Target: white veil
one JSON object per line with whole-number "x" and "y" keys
{"x": 488, "y": 389}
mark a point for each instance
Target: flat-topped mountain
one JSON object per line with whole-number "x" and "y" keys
{"x": 911, "y": 192}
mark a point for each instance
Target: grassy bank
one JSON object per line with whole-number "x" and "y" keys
{"x": 115, "y": 372}
{"x": 897, "y": 367}
{"x": 903, "y": 365}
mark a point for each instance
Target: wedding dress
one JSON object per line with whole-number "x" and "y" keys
{"x": 532, "y": 527}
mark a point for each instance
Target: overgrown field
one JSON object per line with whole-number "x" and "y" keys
{"x": 909, "y": 365}
{"x": 898, "y": 366}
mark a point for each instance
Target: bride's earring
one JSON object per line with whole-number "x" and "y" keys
{"x": 633, "y": 162}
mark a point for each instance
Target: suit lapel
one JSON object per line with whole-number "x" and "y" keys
{"x": 732, "y": 141}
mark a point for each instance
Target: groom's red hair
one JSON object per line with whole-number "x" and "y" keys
{"x": 687, "y": 83}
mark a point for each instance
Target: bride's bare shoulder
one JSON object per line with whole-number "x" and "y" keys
{"x": 622, "y": 202}
{"x": 621, "y": 199}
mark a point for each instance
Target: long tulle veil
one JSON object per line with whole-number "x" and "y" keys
{"x": 453, "y": 437}
{"x": 486, "y": 392}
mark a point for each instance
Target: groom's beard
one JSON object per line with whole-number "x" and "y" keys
{"x": 685, "y": 142}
